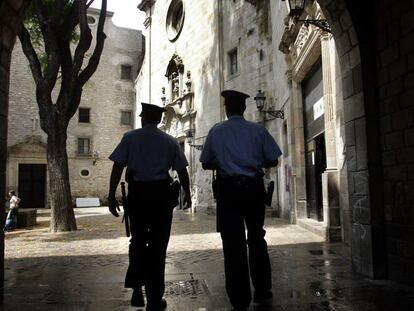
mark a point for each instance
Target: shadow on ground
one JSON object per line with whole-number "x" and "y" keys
{"x": 311, "y": 276}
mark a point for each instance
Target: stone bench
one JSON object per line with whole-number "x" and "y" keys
{"x": 26, "y": 217}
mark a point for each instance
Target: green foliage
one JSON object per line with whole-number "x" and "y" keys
{"x": 31, "y": 22}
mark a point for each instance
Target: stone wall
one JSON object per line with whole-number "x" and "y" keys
{"x": 10, "y": 14}
{"x": 106, "y": 94}
{"x": 255, "y": 30}
{"x": 211, "y": 30}
{"x": 197, "y": 47}
{"x": 394, "y": 50}
{"x": 375, "y": 45}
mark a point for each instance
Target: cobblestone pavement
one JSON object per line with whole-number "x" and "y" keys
{"x": 84, "y": 270}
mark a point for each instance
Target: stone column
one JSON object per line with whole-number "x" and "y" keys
{"x": 298, "y": 190}
{"x": 330, "y": 178}
{"x": 328, "y": 99}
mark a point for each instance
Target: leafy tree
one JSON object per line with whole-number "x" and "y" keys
{"x": 60, "y": 70}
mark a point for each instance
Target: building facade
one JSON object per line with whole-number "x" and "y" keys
{"x": 105, "y": 113}
{"x": 331, "y": 178}
{"x": 194, "y": 50}
{"x": 316, "y": 127}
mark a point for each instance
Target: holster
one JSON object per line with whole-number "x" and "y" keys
{"x": 174, "y": 193}
{"x": 214, "y": 185}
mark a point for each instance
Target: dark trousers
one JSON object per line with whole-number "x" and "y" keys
{"x": 240, "y": 205}
{"x": 150, "y": 220}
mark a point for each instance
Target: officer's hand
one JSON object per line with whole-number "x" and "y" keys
{"x": 187, "y": 202}
{"x": 114, "y": 207}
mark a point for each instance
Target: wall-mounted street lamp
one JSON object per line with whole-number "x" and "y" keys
{"x": 296, "y": 7}
{"x": 95, "y": 157}
{"x": 260, "y": 99}
{"x": 190, "y": 140}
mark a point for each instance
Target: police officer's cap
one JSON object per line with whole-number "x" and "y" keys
{"x": 231, "y": 94}
{"x": 234, "y": 100}
{"x": 151, "y": 110}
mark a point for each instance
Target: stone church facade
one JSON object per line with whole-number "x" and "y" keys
{"x": 196, "y": 50}
{"x": 105, "y": 113}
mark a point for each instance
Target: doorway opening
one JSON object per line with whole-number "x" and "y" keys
{"x": 32, "y": 185}
{"x": 315, "y": 167}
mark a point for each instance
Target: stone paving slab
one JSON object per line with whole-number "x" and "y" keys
{"x": 84, "y": 270}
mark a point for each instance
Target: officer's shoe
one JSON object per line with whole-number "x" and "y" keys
{"x": 161, "y": 305}
{"x": 137, "y": 299}
{"x": 262, "y": 296}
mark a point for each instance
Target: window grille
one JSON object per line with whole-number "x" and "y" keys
{"x": 126, "y": 117}
{"x": 126, "y": 71}
{"x": 233, "y": 62}
{"x": 84, "y": 146}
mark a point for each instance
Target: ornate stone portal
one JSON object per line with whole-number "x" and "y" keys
{"x": 303, "y": 46}
{"x": 178, "y": 99}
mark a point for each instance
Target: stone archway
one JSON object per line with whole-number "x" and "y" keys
{"x": 354, "y": 42}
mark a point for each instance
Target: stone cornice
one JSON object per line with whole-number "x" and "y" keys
{"x": 145, "y": 5}
{"x": 301, "y": 43}
{"x": 306, "y": 55}
{"x": 98, "y": 11}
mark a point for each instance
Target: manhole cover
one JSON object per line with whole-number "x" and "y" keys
{"x": 316, "y": 252}
{"x": 191, "y": 288}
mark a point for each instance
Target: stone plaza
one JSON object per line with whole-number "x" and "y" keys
{"x": 85, "y": 270}
{"x": 336, "y": 82}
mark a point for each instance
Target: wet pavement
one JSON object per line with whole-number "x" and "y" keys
{"x": 84, "y": 270}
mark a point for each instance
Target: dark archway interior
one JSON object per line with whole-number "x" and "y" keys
{"x": 375, "y": 42}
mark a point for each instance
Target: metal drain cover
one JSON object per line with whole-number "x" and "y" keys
{"x": 189, "y": 288}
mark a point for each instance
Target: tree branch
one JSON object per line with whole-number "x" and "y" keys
{"x": 31, "y": 54}
{"x": 49, "y": 38}
{"x": 84, "y": 41}
{"x": 89, "y": 3}
{"x": 44, "y": 99}
{"x": 58, "y": 8}
{"x": 66, "y": 60}
{"x": 93, "y": 61}
{"x": 100, "y": 40}
{"x": 71, "y": 21}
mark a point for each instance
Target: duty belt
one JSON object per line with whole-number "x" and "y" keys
{"x": 240, "y": 178}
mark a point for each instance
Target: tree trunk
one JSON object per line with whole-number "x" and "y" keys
{"x": 60, "y": 198}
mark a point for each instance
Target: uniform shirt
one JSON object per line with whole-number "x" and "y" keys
{"x": 239, "y": 147}
{"x": 149, "y": 154}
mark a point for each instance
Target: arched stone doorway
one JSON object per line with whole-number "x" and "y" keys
{"x": 354, "y": 43}
{"x": 374, "y": 43}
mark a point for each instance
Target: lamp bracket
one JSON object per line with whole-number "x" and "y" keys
{"x": 198, "y": 147}
{"x": 320, "y": 23}
{"x": 275, "y": 113}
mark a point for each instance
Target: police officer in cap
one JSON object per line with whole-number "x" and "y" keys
{"x": 238, "y": 150}
{"x": 149, "y": 154}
